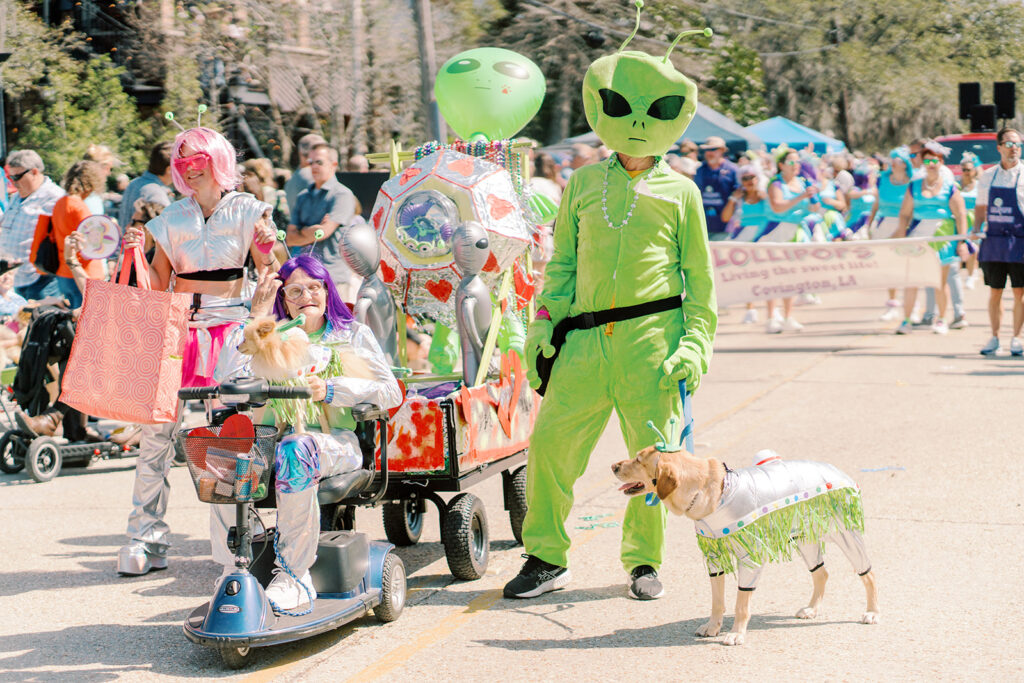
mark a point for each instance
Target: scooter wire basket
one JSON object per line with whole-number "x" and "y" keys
{"x": 228, "y": 469}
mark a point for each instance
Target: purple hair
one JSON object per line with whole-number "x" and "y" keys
{"x": 338, "y": 314}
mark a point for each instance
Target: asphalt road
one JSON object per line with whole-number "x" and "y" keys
{"x": 929, "y": 428}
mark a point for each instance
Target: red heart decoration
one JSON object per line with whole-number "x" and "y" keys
{"x": 377, "y": 216}
{"x": 463, "y": 167}
{"x": 499, "y": 207}
{"x": 492, "y": 264}
{"x": 198, "y": 458}
{"x": 239, "y": 427}
{"x": 408, "y": 174}
{"x": 387, "y": 272}
{"x": 440, "y": 290}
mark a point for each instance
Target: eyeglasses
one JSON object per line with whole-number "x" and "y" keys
{"x": 748, "y": 177}
{"x": 294, "y": 292}
{"x": 198, "y": 161}
{"x": 1012, "y": 145}
{"x": 790, "y": 162}
{"x": 18, "y": 176}
{"x": 913, "y": 155}
{"x": 931, "y": 162}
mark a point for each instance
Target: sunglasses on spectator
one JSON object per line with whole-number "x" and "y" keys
{"x": 931, "y": 162}
{"x": 294, "y": 292}
{"x": 198, "y": 161}
{"x": 18, "y": 176}
{"x": 1012, "y": 145}
{"x": 748, "y": 177}
{"x": 790, "y": 162}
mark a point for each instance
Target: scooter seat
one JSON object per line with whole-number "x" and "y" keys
{"x": 341, "y": 486}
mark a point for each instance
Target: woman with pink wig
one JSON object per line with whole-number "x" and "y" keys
{"x": 202, "y": 242}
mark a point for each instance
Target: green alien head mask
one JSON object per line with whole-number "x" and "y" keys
{"x": 639, "y": 104}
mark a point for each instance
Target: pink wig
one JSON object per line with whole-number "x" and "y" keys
{"x": 225, "y": 163}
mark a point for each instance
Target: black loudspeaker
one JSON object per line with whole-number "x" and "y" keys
{"x": 1004, "y": 95}
{"x": 970, "y": 96}
{"x": 983, "y": 118}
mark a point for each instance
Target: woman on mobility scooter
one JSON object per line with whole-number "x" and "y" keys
{"x": 303, "y": 286}
{"x": 202, "y": 239}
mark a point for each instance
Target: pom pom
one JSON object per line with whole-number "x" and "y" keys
{"x": 318, "y": 235}
{"x": 201, "y": 108}
{"x": 281, "y": 235}
{"x": 708, "y": 32}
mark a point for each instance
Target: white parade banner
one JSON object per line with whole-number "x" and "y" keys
{"x": 746, "y": 271}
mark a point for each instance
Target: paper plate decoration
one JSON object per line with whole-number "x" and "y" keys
{"x": 416, "y": 213}
{"x": 100, "y": 237}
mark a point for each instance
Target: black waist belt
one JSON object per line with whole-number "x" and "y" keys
{"x": 587, "y": 321}
{"x": 222, "y": 275}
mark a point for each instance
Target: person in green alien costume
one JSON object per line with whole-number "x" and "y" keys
{"x": 631, "y": 245}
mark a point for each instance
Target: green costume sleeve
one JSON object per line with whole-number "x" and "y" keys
{"x": 560, "y": 274}
{"x": 700, "y": 304}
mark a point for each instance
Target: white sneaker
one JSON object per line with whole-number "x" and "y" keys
{"x": 750, "y": 317}
{"x": 791, "y": 325}
{"x": 1015, "y": 347}
{"x": 890, "y": 314}
{"x": 990, "y": 348}
{"x": 971, "y": 281}
{"x": 940, "y": 327}
{"x": 959, "y": 323}
{"x": 285, "y": 593}
{"x": 774, "y": 326}
{"x": 906, "y": 327}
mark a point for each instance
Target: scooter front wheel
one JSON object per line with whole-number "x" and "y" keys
{"x": 236, "y": 657}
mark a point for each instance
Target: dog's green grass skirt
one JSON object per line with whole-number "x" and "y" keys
{"x": 771, "y": 538}
{"x": 290, "y": 410}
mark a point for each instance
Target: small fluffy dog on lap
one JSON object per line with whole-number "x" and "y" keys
{"x": 748, "y": 517}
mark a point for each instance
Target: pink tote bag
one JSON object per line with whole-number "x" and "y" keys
{"x": 125, "y": 362}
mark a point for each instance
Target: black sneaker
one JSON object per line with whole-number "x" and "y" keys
{"x": 536, "y": 578}
{"x": 645, "y": 584}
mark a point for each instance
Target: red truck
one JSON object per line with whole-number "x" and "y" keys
{"x": 982, "y": 144}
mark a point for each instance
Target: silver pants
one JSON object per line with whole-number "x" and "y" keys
{"x": 298, "y": 514}
{"x": 850, "y": 541}
{"x": 152, "y": 489}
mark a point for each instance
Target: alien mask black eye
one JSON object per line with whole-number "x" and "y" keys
{"x": 615, "y": 105}
{"x": 666, "y": 108}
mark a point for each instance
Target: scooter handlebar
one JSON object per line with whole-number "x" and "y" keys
{"x": 289, "y": 392}
{"x": 197, "y": 393}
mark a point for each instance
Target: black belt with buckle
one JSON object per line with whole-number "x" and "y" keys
{"x": 590, "y": 320}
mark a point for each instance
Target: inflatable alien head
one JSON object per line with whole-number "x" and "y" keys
{"x": 639, "y": 104}
{"x": 489, "y": 93}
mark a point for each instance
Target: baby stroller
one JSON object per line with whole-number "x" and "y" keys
{"x": 48, "y": 340}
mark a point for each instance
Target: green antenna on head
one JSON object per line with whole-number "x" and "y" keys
{"x": 170, "y": 117}
{"x": 706, "y": 32}
{"x": 639, "y": 6}
{"x": 660, "y": 445}
{"x": 201, "y": 109}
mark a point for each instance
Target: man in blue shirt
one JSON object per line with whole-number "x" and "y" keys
{"x": 153, "y": 185}
{"x": 717, "y": 180}
{"x": 329, "y": 206}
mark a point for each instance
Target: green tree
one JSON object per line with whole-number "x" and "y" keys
{"x": 82, "y": 106}
{"x": 737, "y": 84}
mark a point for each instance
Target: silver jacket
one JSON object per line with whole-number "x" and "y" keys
{"x": 223, "y": 240}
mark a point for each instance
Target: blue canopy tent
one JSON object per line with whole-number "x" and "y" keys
{"x": 706, "y": 122}
{"x": 781, "y": 131}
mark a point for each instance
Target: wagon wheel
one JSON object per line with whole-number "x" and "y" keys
{"x": 465, "y": 537}
{"x": 403, "y": 522}
{"x": 516, "y": 503}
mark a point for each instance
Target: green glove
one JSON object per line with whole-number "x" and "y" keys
{"x": 684, "y": 364}
{"x": 538, "y": 340}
